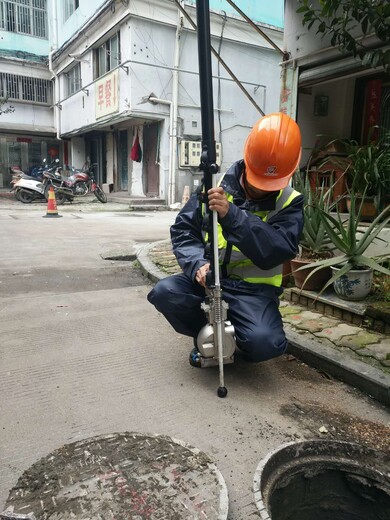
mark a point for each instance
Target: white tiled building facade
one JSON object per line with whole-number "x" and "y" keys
{"x": 85, "y": 78}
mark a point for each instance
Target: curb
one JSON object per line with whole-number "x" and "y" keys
{"x": 148, "y": 268}
{"x": 343, "y": 367}
{"x": 354, "y": 372}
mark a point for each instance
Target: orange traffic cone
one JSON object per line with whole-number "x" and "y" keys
{"x": 52, "y": 205}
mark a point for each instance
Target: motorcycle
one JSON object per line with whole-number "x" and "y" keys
{"x": 53, "y": 179}
{"x": 78, "y": 184}
{"x": 27, "y": 188}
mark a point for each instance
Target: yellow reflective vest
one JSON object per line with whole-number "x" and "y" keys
{"x": 235, "y": 264}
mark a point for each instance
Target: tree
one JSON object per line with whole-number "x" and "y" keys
{"x": 339, "y": 18}
{"x": 7, "y": 110}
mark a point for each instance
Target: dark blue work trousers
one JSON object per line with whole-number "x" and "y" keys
{"x": 253, "y": 311}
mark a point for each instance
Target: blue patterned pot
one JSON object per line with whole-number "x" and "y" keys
{"x": 355, "y": 285}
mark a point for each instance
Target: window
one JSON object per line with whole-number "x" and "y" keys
{"x": 70, "y": 7}
{"x": 108, "y": 55}
{"x": 25, "y": 88}
{"x": 73, "y": 80}
{"x": 24, "y": 17}
{"x": 385, "y": 107}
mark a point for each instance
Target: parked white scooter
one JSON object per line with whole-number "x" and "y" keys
{"x": 27, "y": 190}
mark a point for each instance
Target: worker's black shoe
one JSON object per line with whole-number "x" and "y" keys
{"x": 195, "y": 358}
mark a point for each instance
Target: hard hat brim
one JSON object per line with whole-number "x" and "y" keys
{"x": 269, "y": 183}
{"x": 264, "y": 183}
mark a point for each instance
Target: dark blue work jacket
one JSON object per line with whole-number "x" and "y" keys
{"x": 266, "y": 242}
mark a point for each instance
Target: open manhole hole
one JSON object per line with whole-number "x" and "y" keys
{"x": 120, "y": 477}
{"x": 323, "y": 480}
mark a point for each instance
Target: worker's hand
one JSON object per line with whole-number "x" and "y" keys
{"x": 201, "y": 273}
{"x": 218, "y": 201}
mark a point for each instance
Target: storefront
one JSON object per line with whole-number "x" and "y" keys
{"x": 26, "y": 153}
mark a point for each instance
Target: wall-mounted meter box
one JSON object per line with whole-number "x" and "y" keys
{"x": 190, "y": 152}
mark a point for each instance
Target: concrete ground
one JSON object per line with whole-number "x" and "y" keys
{"x": 83, "y": 353}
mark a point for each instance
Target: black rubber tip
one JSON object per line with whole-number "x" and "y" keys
{"x": 222, "y": 391}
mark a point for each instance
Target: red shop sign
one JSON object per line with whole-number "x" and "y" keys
{"x": 372, "y": 106}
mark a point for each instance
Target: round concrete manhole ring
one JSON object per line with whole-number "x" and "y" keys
{"x": 323, "y": 480}
{"x": 122, "y": 476}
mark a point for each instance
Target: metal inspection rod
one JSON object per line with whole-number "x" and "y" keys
{"x": 210, "y": 169}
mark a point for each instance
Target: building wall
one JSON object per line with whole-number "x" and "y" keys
{"x": 319, "y": 130}
{"x": 147, "y": 40}
{"x": 320, "y": 70}
{"x": 70, "y": 26}
{"x": 147, "y": 34}
{"x": 265, "y": 12}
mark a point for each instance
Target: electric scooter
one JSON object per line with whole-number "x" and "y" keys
{"x": 27, "y": 189}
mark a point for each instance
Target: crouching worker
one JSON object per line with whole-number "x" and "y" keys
{"x": 260, "y": 221}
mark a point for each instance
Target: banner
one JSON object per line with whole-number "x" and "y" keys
{"x": 106, "y": 95}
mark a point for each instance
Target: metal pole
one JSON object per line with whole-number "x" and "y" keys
{"x": 210, "y": 169}
{"x": 257, "y": 28}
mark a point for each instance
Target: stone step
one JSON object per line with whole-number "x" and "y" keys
{"x": 360, "y": 313}
{"x": 148, "y": 207}
{"x": 147, "y": 204}
{"x": 145, "y": 201}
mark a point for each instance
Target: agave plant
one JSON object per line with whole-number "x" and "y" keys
{"x": 351, "y": 242}
{"x": 315, "y": 242}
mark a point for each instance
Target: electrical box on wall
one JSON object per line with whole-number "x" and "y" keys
{"x": 190, "y": 152}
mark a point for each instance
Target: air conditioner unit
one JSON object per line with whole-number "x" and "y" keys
{"x": 190, "y": 153}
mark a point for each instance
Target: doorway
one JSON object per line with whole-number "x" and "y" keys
{"x": 96, "y": 151}
{"x": 151, "y": 169}
{"x": 123, "y": 160}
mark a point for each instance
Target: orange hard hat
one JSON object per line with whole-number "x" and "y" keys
{"x": 272, "y": 152}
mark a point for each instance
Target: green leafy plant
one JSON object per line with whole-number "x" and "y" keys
{"x": 315, "y": 242}
{"x": 7, "y": 110}
{"x": 351, "y": 242}
{"x": 369, "y": 170}
{"x": 340, "y": 18}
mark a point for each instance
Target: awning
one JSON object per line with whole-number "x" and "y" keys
{"x": 132, "y": 118}
{"x": 337, "y": 69}
{"x": 16, "y": 128}
{"x": 329, "y": 71}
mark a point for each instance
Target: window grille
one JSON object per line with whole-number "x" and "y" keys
{"x": 24, "y": 17}
{"x": 108, "y": 55}
{"x": 73, "y": 79}
{"x": 25, "y": 88}
{"x": 70, "y": 7}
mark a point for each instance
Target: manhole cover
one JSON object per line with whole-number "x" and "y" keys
{"x": 323, "y": 480}
{"x": 121, "y": 477}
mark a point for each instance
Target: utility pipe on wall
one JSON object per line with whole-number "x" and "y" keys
{"x": 174, "y": 107}
{"x": 57, "y": 120}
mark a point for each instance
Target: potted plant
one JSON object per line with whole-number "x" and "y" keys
{"x": 352, "y": 242}
{"x": 369, "y": 170}
{"x": 315, "y": 244}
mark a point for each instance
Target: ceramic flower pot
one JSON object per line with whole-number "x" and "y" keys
{"x": 316, "y": 282}
{"x": 355, "y": 285}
